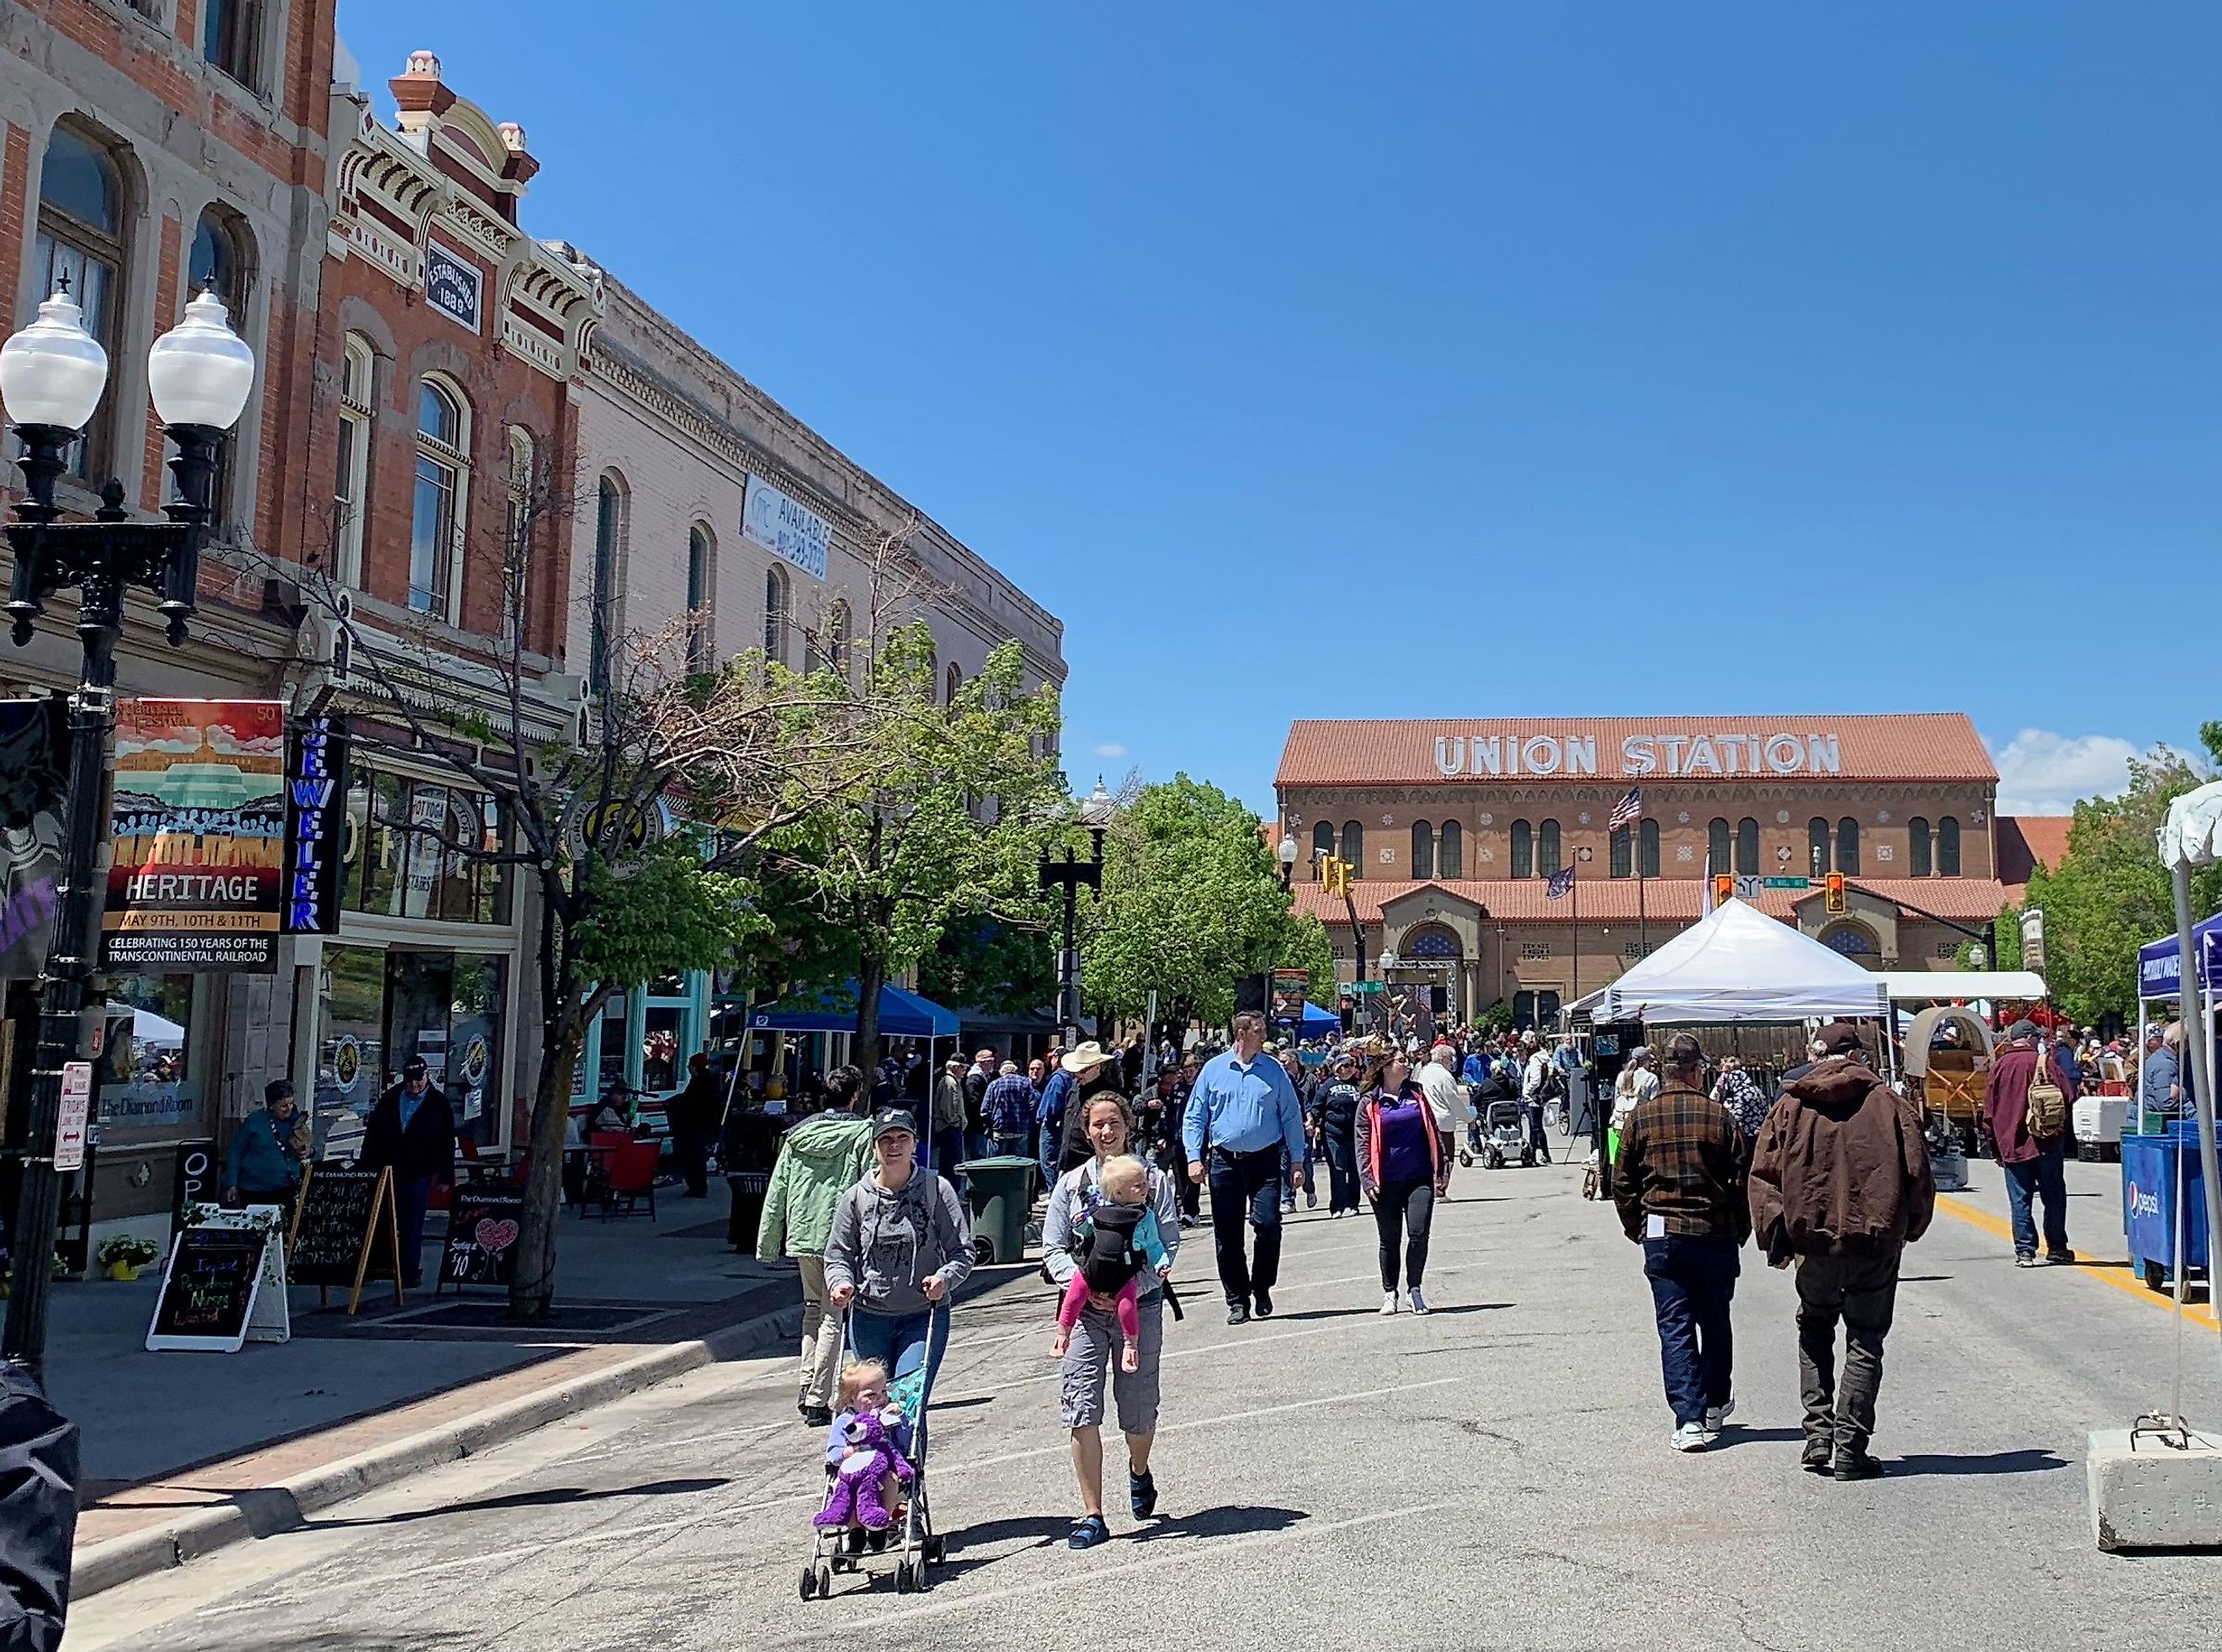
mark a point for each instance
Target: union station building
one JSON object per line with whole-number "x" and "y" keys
{"x": 1454, "y": 828}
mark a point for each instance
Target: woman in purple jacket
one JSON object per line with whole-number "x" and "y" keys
{"x": 1401, "y": 1169}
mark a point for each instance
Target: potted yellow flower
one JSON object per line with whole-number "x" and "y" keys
{"x": 124, "y": 1254}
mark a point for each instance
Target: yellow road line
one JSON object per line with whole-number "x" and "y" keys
{"x": 2115, "y": 1273}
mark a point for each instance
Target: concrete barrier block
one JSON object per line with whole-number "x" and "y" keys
{"x": 2155, "y": 1496}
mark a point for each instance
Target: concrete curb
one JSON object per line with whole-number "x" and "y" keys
{"x": 266, "y": 1510}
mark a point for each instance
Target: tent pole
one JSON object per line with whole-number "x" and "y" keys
{"x": 2198, "y": 1024}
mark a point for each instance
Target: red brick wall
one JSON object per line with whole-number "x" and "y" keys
{"x": 168, "y": 305}
{"x": 502, "y": 390}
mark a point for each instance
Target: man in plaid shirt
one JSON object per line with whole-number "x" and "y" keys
{"x": 1680, "y": 1192}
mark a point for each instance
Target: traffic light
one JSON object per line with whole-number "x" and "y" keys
{"x": 1832, "y": 894}
{"x": 1335, "y": 875}
{"x": 1723, "y": 888}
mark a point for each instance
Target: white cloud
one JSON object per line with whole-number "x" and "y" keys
{"x": 1109, "y": 748}
{"x": 2043, "y": 773}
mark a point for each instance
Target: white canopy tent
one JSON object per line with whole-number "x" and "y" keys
{"x": 1739, "y": 965}
{"x": 1926, "y": 986}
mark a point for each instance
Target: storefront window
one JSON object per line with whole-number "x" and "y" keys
{"x": 661, "y": 1062}
{"x": 351, "y": 1034}
{"x": 147, "y": 1084}
{"x": 474, "y": 1035}
{"x": 406, "y": 850}
{"x": 613, "y": 1043}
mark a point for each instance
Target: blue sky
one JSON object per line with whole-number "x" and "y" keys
{"x": 1464, "y": 359}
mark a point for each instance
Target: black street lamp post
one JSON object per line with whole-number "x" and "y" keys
{"x": 1069, "y": 874}
{"x": 52, "y": 374}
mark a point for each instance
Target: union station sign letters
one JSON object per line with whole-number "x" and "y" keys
{"x": 1693, "y": 752}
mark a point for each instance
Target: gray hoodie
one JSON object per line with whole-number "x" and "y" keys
{"x": 886, "y": 1244}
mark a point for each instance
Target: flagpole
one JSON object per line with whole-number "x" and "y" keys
{"x": 1576, "y": 893}
{"x": 1642, "y": 927}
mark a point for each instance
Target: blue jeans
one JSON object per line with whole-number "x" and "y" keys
{"x": 948, "y": 1153}
{"x": 1537, "y": 1140}
{"x": 2043, "y": 1175}
{"x": 1693, "y": 1282}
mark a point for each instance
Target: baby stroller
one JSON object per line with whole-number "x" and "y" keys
{"x": 1504, "y": 1132}
{"x": 850, "y": 1548}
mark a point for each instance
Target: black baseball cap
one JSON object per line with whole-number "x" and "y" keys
{"x": 414, "y": 1067}
{"x": 888, "y": 1120}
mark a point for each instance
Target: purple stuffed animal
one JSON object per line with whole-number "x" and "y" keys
{"x": 857, "y": 1484}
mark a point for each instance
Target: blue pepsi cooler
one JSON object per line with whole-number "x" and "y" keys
{"x": 2157, "y": 1171}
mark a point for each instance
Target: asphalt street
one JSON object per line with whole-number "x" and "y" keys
{"x": 1496, "y": 1475}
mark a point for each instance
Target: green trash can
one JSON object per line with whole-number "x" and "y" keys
{"x": 1002, "y": 1193}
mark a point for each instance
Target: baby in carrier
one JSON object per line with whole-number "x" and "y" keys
{"x": 1121, "y": 1241}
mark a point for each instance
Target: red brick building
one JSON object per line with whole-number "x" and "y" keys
{"x": 1455, "y": 827}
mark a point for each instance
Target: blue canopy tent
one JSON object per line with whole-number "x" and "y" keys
{"x": 1318, "y": 1023}
{"x": 903, "y": 1015}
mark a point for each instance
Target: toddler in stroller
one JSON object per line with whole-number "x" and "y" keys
{"x": 851, "y": 1440}
{"x": 1122, "y": 1240}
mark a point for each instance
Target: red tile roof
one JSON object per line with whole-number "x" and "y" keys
{"x": 2027, "y": 842}
{"x": 1924, "y": 746}
{"x": 1961, "y": 899}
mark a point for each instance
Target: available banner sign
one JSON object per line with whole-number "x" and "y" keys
{"x": 198, "y": 826}
{"x": 316, "y": 824}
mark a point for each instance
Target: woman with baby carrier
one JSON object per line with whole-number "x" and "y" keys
{"x": 1110, "y": 1338}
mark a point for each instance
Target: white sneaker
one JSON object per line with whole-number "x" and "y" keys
{"x": 1419, "y": 1302}
{"x": 1716, "y": 1415}
{"x": 1389, "y": 1302}
{"x": 1691, "y": 1436}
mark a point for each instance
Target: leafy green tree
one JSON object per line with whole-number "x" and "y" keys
{"x": 2110, "y": 894}
{"x": 1005, "y": 966}
{"x": 942, "y": 817}
{"x": 1191, "y": 902}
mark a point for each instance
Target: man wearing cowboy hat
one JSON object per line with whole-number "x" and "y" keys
{"x": 1084, "y": 1070}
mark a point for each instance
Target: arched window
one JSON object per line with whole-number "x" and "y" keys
{"x": 1322, "y": 839}
{"x": 1450, "y": 851}
{"x": 1816, "y": 844}
{"x": 1746, "y": 859}
{"x": 1716, "y": 846}
{"x": 1424, "y": 850}
{"x": 1547, "y": 848}
{"x": 933, "y": 672}
{"x": 80, "y": 246}
{"x": 1854, "y": 941}
{"x": 1918, "y": 848}
{"x": 519, "y": 532}
{"x": 231, "y": 38}
{"x": 1848, "y": 845}
{"x": 442, "y": 491}
{"x": 1523, "y": 849}
{"x": 955, "y": 681}
{"x": 1647, "y": 847}
{"x": 1353, "y": 847}
{"x": 701, "y": 639}
{"x": 1622, "y": 852}
{"x": 351, "y": 481}
{"x": 604, "y": 599}
{"x": 1948, "y": 847}
{"x": 834, "y": 641}
{"x": 775, "y": 617}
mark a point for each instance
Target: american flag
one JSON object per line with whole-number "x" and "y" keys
{"x": 1626, "y": 810}
{"x": 1561, "y": 884}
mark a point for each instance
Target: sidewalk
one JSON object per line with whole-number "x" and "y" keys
{"x": 184, "y": 1451}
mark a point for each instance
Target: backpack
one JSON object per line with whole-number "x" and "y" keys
{"x": 2047, "y": 1108}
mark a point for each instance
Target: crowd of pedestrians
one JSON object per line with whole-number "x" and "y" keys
{"x": 1825, "y": 1170}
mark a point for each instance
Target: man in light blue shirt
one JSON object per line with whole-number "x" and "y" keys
{"x": 1243, "y": 1115}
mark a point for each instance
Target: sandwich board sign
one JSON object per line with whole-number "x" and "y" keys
{"x": 224, "y": 1285}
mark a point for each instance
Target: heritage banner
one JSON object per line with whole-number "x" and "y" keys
{"x": 197, "y": 826}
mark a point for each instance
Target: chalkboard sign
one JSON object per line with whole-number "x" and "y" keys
{"x": 344, "y": 1231}
{"x": 208, "y": 1290}
{"x": 483, "y": 1223}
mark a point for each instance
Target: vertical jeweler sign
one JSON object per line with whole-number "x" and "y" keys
{"x": 316, "y": 818}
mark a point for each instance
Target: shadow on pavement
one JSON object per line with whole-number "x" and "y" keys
{"x": 1046, "y": 1530}
{"x": 1732, "y": 1436}
{"x": 551, "y": 1497}
{"x": 2026, "y": 1461}
{"x": 1229, "y": 1520}
{"x": 1375, "y": 1313}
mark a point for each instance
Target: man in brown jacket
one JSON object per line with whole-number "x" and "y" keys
{"x": 1840, "y": 1183}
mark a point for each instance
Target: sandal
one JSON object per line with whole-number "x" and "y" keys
{"x": 1089, "y": 1532}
